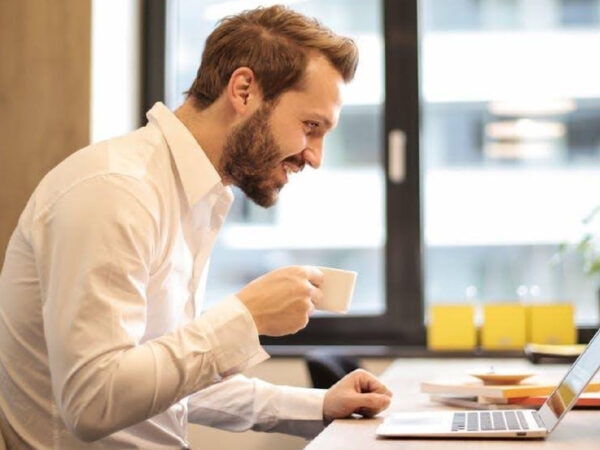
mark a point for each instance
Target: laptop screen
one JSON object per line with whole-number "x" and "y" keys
{"x": 572, "y": 385}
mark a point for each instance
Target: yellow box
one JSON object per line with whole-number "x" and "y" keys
{"x": 451, "y": 327}
{"x": 552, "y": 323}
{"x": 504, "y": 326}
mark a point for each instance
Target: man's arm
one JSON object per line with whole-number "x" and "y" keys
{"x": 239, "y": 404}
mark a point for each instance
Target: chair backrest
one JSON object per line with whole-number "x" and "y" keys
{"x": 327, "y": 368}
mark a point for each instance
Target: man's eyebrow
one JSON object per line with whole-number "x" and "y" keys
{"x": 325, "y": 120}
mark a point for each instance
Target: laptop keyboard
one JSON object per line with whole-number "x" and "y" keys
{"x": 489, "y": 421}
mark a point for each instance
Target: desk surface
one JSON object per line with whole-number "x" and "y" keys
{"x": 580, "y": 428}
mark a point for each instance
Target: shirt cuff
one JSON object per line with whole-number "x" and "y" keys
{"x": 233, "y": 337}
{"x": 291, "y": 410}
{"x": 298, "y": 403}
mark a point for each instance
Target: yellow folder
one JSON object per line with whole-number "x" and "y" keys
{"x": 451, "y": 327}
{"x": 551, "y": 323}
{"x": 503, "y": 326}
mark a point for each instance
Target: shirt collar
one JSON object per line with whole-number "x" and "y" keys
{"x": 189, "y": 157}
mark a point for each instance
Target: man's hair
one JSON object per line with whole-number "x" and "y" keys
{"x": 275, "y": 43}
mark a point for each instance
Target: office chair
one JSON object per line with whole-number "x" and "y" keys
{"x": 327, "y": 368}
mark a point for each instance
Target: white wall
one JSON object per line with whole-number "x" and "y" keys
{"x": 116, "y": 68}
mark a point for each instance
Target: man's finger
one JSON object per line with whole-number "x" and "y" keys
{"x": 369, "y": 383}
{"x": 314, "y": 275}
{"x": 371, "y": 404}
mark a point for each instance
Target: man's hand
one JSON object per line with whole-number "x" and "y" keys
{"x": 359, "y": 392}
{"x": 282, "y": 301}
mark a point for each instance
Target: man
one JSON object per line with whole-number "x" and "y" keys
{"x": 102, "y": 344}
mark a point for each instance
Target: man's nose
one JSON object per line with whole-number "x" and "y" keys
{"x": 313, "y": 154}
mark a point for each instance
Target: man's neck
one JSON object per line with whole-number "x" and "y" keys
{"x": 209, "y": 127}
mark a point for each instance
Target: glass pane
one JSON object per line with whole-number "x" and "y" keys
{"x": 510, "y": 148}
{"x": 330, "y": 217}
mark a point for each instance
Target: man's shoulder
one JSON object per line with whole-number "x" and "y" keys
{"x": 138, "y": 161}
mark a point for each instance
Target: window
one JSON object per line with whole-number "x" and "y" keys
{"x": 510, "y": 149}
{"x": 467, "y": 151}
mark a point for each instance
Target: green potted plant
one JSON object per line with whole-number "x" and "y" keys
{"x": 588, "y": 245}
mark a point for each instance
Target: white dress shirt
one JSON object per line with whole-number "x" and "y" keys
{"x": 101, "y": 336}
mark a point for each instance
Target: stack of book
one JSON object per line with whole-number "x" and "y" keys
{"x": 477, "y": 394}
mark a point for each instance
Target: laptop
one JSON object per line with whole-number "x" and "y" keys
{"x": 505, "y": 424}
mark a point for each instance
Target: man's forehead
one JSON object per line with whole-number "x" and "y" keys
{"x": 321, "y": 95}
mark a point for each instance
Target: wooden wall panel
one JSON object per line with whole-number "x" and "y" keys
{"x": 44, "y": 95}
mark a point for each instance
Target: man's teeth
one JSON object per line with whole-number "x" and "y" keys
{"x": 290, "y": 168}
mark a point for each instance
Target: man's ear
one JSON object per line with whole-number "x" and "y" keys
{"x": 242, "y": 90}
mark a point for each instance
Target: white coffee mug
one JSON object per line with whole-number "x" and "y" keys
{"x": 337, "y": 288}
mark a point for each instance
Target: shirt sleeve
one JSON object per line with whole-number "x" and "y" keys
{"x": 94, "y": 248}
{"x": 239, "y": 403}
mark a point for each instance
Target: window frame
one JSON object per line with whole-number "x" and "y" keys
{"x": 402, "y": 322}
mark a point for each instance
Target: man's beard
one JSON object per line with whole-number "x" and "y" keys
{"x": 250, "y": 157}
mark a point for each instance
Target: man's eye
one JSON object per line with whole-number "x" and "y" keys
{"x": 311, "y": 125}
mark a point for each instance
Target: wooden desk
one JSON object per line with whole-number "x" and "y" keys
{"x": 580, "y": 428}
